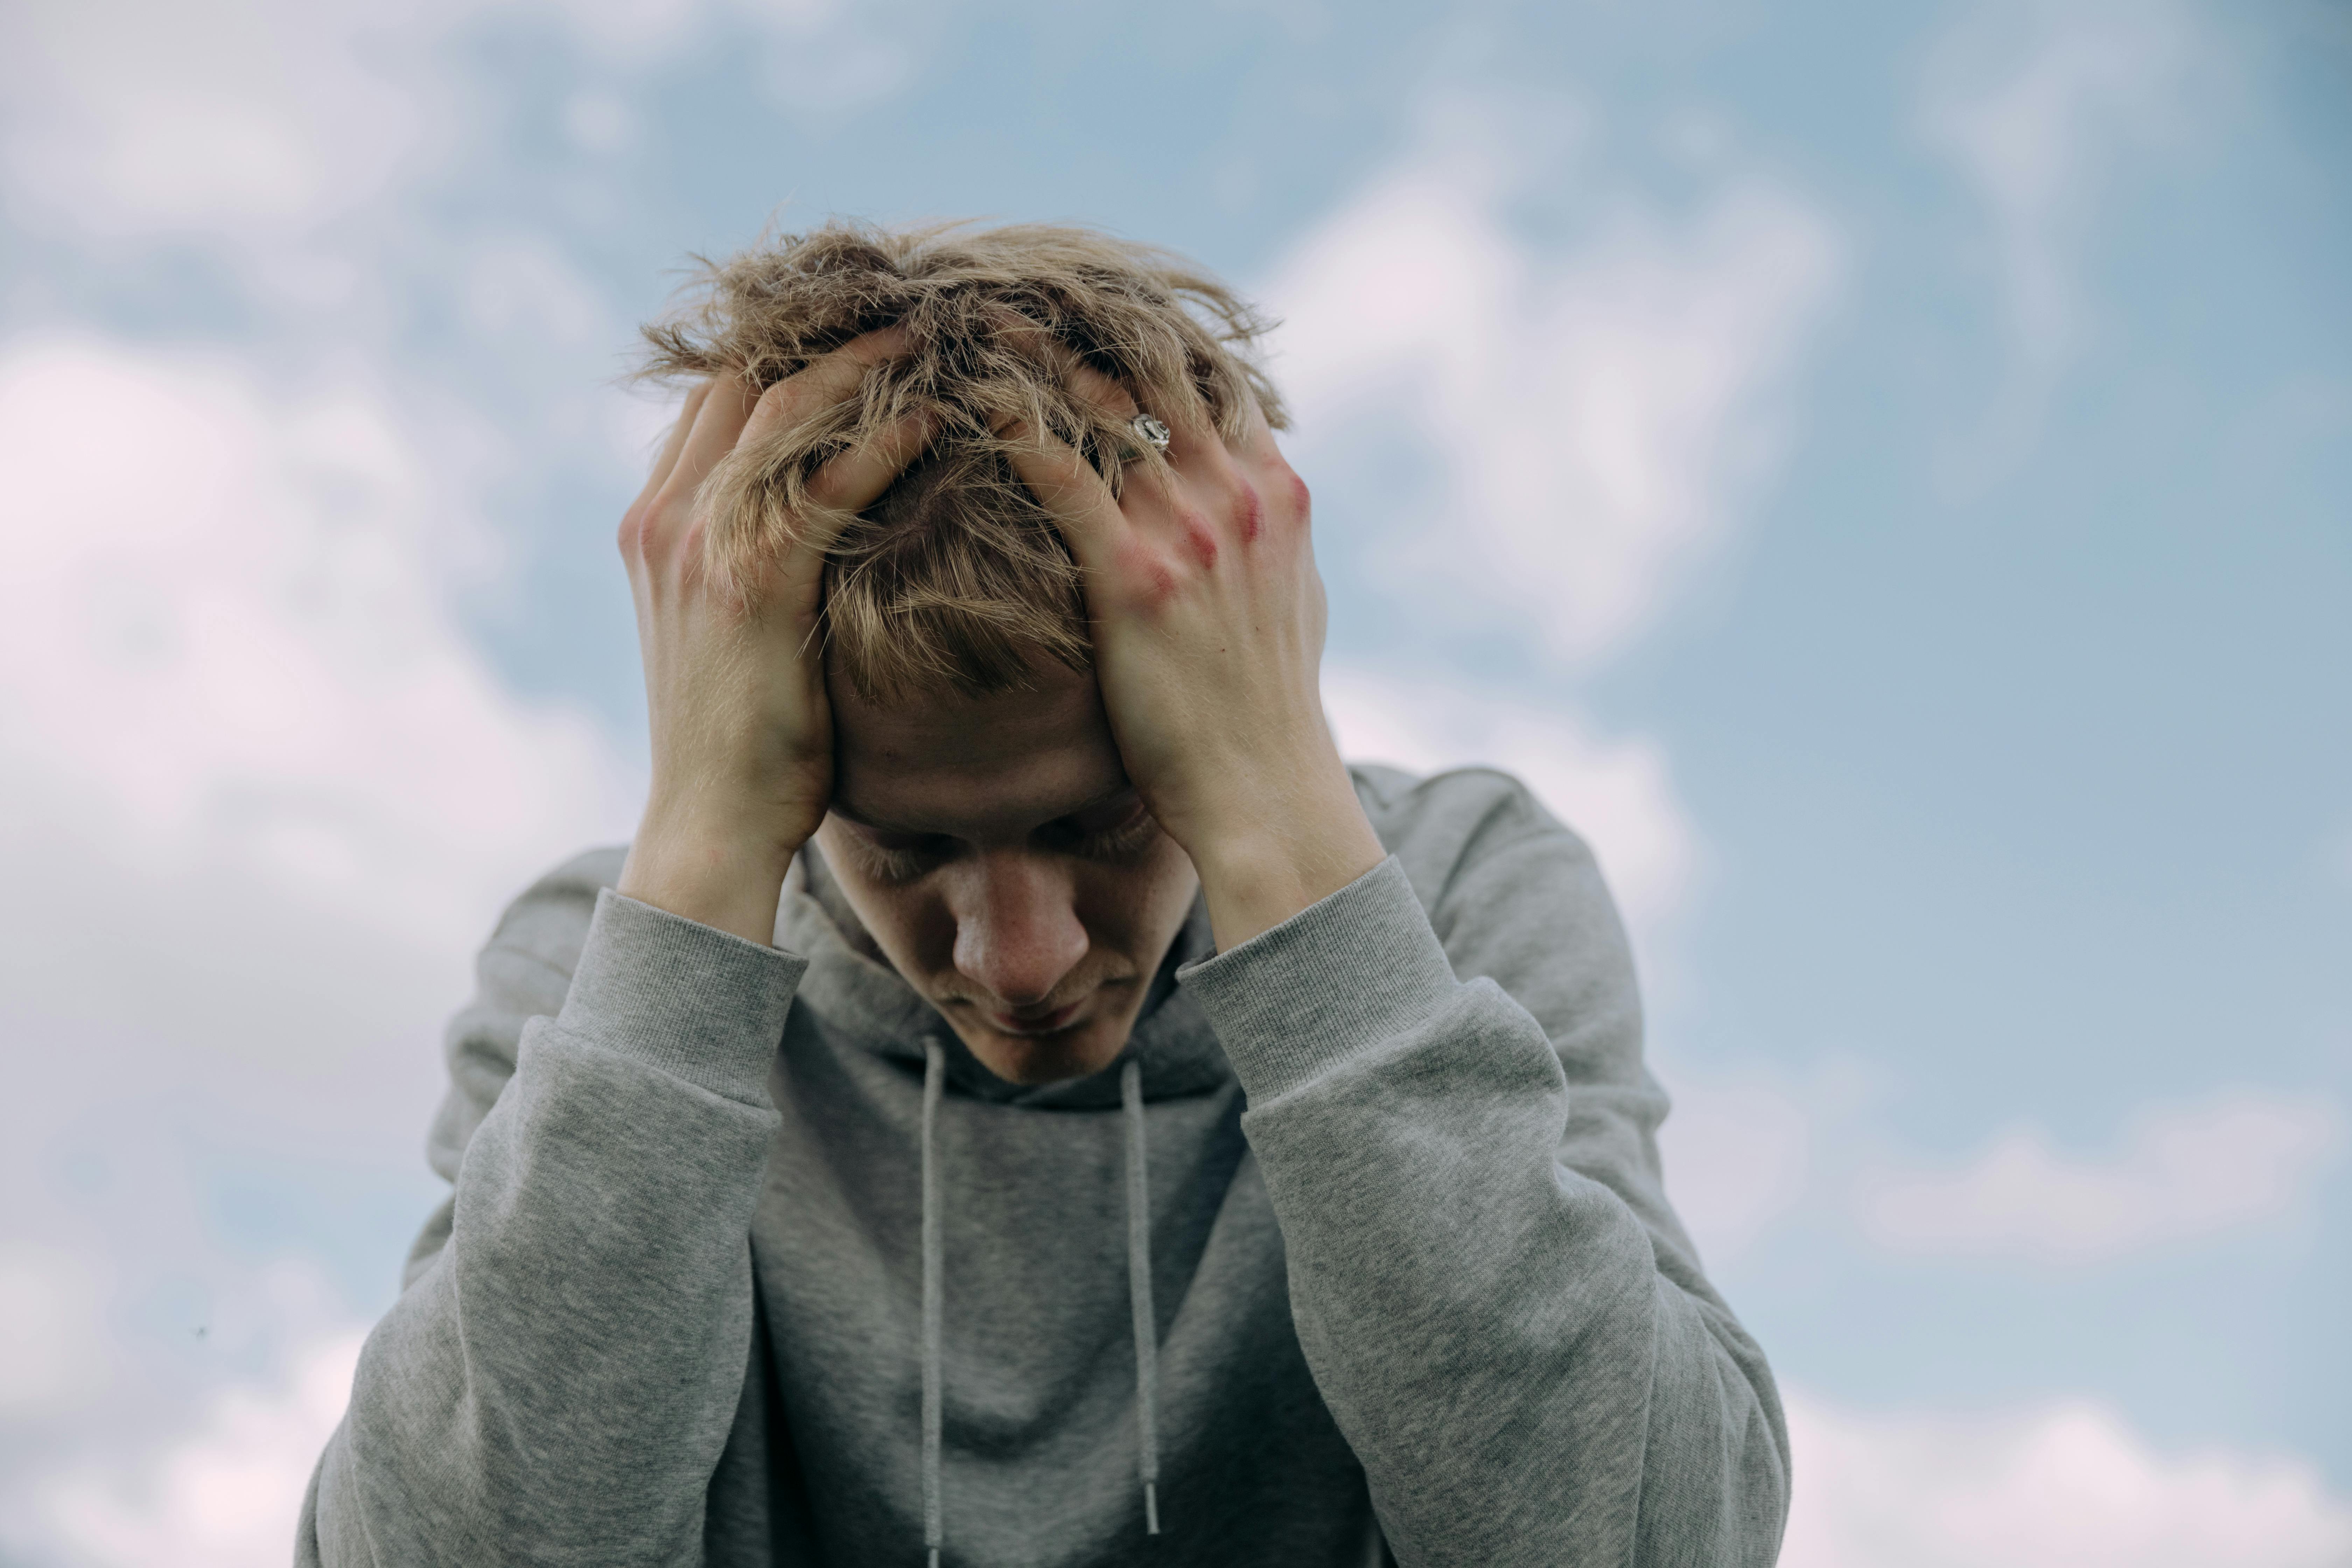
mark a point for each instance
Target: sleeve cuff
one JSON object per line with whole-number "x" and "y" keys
{"x": 697, "y": 1003}
{"x": 1333, "y": 981}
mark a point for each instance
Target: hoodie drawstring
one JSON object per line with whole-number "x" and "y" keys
{"x": 935, "y": 1072}
{"x": 1139, "y": 1289}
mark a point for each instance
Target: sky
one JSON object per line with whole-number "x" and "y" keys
{"x": 1879, "y": 471}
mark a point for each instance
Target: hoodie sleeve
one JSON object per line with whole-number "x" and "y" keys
{"x": 558, "y": 1379}
{"x": 1448, "y": 1103}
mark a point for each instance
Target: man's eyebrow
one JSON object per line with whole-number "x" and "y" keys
{"x": 846, "y": 814}
{"x": 1122, "y": 788}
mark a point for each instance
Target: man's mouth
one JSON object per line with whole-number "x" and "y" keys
{"x": 1029, "y": 1023}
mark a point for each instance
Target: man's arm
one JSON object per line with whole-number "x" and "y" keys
{"x": 558, "y": 1379}
{"x": 1525, "y": 1376}
{"x": 1496, "y": 1304}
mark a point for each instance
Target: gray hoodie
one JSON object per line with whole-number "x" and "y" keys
{"x": 1359, "y": 1253}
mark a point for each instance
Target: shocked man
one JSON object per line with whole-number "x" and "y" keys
{"x": 1021, "y": 1099}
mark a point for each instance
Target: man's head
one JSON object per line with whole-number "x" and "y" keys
{"x": 983, "y": 828}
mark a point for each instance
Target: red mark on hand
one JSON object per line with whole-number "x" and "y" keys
{"x": 1252, "y": 513}
{"x": 1151, "y": 582}
{"x": 1202, "y": 538}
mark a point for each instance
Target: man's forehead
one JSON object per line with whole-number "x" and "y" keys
{"x": 944, "y": 762}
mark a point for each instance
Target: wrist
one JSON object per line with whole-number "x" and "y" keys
{"x": 1259, "y": 868}
{"x": 729, "y": 881}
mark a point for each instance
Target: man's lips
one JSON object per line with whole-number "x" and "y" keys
{"x": 1051, "y": 1023}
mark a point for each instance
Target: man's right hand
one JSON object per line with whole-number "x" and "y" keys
{"x": 742, "y": 737}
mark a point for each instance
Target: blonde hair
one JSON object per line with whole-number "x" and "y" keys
{"x": 956, "y": 577}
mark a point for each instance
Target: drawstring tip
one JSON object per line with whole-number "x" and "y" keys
{"x": 1150, "y": 1510}
{"x": 935, "y": 1557}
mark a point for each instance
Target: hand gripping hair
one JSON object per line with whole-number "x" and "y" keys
{"x": 956, "y": 577}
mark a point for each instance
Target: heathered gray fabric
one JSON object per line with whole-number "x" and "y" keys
{"x": 1419, "y": 1293}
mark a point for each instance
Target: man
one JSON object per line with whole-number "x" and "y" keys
{"x": 1022, "y": 1097}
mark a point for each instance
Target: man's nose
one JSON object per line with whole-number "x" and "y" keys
{"x": 1017, "y": 931}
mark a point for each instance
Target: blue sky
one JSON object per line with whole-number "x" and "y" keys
{"x": 1878, "y": 471}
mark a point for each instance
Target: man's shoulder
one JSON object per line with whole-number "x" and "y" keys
{"x": 1512, "y": 892}
{"x": 1457, "y": 805}
{"x": 1437, "y": 824}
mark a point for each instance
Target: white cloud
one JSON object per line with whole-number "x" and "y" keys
{"x": 225, "y": 1496}
{"x": 2184, "y": 1172}
{"x": 1593, "y": 413}
{"x": 1738, "y": 1157}
{"x": 53, "y": 1346}
{"x": 266, "y": 116}
{"x": 521, "y": 290}
{"x": 229, "y": 644}
{"x": 259, "y": 798}
{"x": 254, "y": 125}
{"x": 2037, "y": 104}
{"x": 2067, "y": 1485}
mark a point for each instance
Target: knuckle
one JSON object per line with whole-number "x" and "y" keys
{"x": 1292, "y": 501}
{"x": 650, "y": 532}
{"x": 783, "y": 405}
{"x": 1249, "y": 511}
{"x": 1202, "y": 541}
{"x": 1147, "y": 581}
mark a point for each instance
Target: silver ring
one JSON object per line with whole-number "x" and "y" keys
{"x": 1150, "y": 431}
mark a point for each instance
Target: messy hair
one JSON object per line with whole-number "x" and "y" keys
{"x": 956, "y": 577}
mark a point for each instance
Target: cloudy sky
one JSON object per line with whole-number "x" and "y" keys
{"x": 1878, "y": 469}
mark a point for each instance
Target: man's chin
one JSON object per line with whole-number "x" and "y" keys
{"x": 1035, "y": 1060}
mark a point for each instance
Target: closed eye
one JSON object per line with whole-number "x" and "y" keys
{"x": 1118, "y": 833}
{"x": 1113, "y": 834}
{"x": 904, "y": 856}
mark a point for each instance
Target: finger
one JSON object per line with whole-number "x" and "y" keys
{"x": 1261, "y": 455}
{"x": 716, "y": 428}
{"x": 1188, "y": 434}
{"x": 1257, "y": 435}
{"x": 1101, "y": 390}
{"x": 1184, "y": 432}
{"x": 1091, "y": 384}
{"x": 1072, "y": 494}
{"x": 1257, "y": 451}
{"x": 855, "y": 480}
{"x": 1189, "y": 423}
{"x": 826, "y": 380}
{"x": 674, "y": 441}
